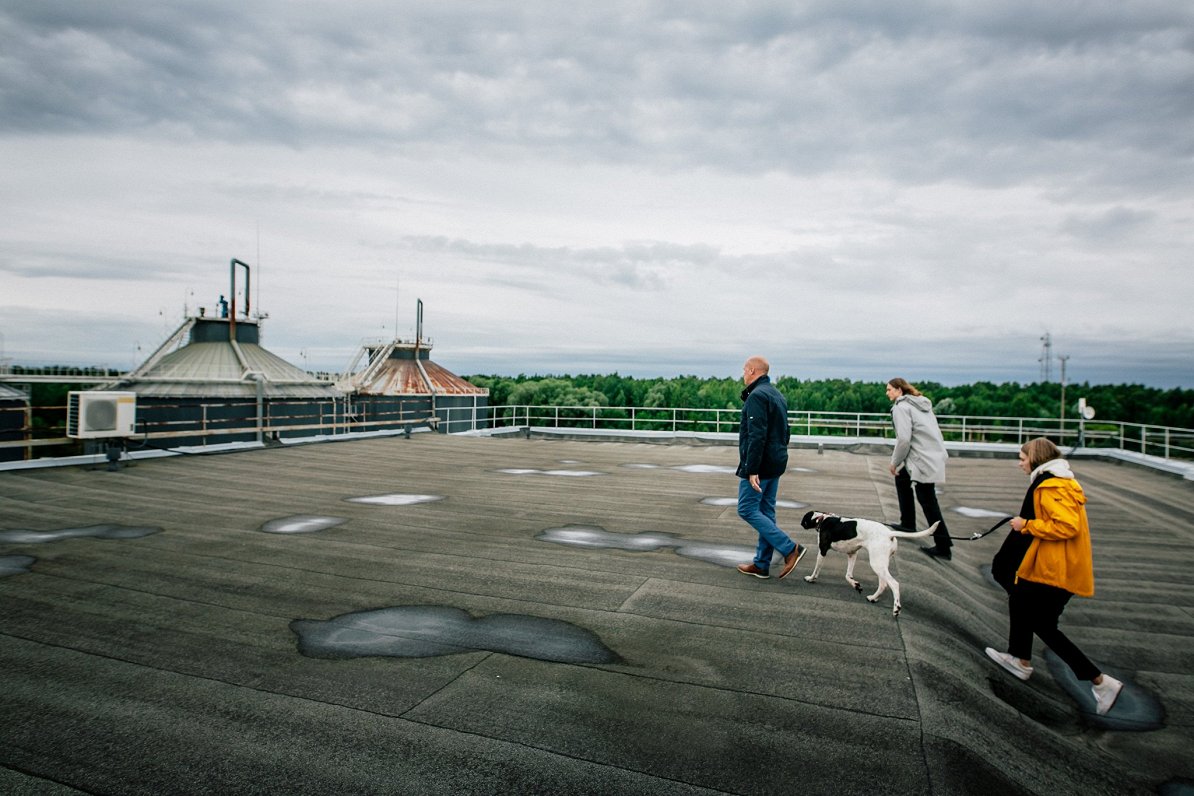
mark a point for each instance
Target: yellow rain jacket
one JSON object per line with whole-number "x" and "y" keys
{"x": 1060, "y": 551}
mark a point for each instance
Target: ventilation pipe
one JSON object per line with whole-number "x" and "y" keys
{"x": 232, "y": 294}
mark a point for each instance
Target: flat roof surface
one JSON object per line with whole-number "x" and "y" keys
{"x": 449, "y": 614}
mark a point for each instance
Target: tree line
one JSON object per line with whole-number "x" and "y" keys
{"x": 1128, "y": 403}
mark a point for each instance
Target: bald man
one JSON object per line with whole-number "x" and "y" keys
{"x": 762, "y": 458}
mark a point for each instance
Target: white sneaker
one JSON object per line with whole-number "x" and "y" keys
{"x": 1012, "y": 664}
{"x": 1105, "y": 693}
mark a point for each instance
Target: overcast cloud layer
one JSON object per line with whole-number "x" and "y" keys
{"x": 857, "y": 190}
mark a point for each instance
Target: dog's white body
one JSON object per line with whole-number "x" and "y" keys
{"x": 877, "y": 539}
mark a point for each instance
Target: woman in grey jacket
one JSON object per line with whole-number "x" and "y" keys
{"x": 918, "y": 461}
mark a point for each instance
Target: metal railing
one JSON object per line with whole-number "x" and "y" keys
{"x": 1164, "y": 441}
{"x": 16, "y": 426}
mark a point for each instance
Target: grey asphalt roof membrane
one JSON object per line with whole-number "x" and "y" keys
{"x": 452, "y": 614}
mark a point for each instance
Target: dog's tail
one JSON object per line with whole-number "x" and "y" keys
{"x": 915, "y": 534}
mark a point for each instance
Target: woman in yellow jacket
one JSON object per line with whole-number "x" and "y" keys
{"x": 1057, "y": 566}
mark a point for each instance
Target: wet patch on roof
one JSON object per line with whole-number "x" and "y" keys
{"x": 15, "y": 565}
{"x": 423, "y": 631}
{"x": 564, "y": 473}
{"x": 302, "y": 523}
{"x": 733, "y": 501}
{"x": 633, "y": 466}
{"x": 647, "y": 542}
{"x": 396, "y": 499}
{"x": 969, "y": 512}
{"x": 985, "y": 571}
{"x": 96, "y": 531}
{"x": 706, "y": 468}
{"x": 596, "y": 536}
{"x": 1136, "y": 709}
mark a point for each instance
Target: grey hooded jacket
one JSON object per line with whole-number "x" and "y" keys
{"x": 919, "y": 445}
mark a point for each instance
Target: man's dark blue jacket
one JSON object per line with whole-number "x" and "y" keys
{"x": 763, "y": 432}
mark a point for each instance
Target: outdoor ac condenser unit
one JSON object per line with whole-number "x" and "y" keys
{"x": 94, "y": 414}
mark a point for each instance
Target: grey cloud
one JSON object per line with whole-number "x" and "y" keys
{"x": 648, "y": 265}
{"x": 36, "y": 261}
{"x": 980, "y": 93}
{"x": 1112, "y": 224}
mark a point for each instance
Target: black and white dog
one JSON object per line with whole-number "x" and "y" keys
{"x": 848, "y": 536}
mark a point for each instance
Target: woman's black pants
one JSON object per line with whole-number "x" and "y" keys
{"x": 926, "y": 495}
{"x": 1036, "y": 608}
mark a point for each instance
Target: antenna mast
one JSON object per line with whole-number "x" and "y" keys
{"x": 1046, "y": 359}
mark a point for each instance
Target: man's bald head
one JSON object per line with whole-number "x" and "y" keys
{"x": 755, "y": 367}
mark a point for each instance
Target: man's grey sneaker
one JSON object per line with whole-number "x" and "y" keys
{"x": 1011, "y": 663}
{"x": 1105, "y": 693}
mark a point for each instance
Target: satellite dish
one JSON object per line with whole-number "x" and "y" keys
{"x": 1087, "y": 412}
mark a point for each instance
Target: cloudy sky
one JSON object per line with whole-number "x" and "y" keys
{"x": 857, "y": 190}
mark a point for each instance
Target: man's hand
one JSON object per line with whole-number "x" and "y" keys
{"x": 754, "y": 482}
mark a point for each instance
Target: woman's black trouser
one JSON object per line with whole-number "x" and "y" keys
{"x": 1036, "y": 608}
{"x": 926, "y": 495}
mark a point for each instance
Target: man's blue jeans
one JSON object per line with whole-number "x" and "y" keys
{"x": 758, "y": 509}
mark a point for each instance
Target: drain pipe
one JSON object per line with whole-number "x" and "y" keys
{"x": 419, "y": 362}
{"x": 260, "y": 379}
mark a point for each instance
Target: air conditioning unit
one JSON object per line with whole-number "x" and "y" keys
{"x": 94, "y": 414}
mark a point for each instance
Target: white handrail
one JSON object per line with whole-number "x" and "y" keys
{"x": 1163, "y": 441}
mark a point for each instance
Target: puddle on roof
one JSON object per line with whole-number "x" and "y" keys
{"x": 423, "y": 631}
{"x": 15, "y": 565}
{"x": 706, "y": 468}
{"x": 395, "y": 499}
{"x": 564, "y": 473}
{"x": 302, "y": 523}
{"x": 97, "y": 531}
{"x": 594, "y": 536}
{"x": 1134, "y": 709}
{"x": 969, "y": 512}
{"x": 641, "y": 466}
{"x": 733, "y": 501}
{"x": 646, "y": 542}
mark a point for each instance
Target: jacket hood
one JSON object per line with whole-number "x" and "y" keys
{"x": 918, "y": 402}
{"x": 1057, "y": 467}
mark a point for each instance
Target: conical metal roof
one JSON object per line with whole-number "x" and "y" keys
{"x": 214, "y": 365}
{"x": 404, "y": 368}
{"x": 12, "y": 394}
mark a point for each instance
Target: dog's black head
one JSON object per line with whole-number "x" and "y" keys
{"x": 830, "y": 528}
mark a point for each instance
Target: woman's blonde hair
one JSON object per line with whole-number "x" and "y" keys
{"x": 1040, "y": 450}
{"x": 903, "y": 386}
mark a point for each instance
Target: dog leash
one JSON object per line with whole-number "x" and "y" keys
{"x": 974, "y": 537}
